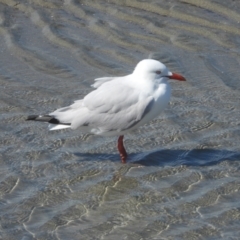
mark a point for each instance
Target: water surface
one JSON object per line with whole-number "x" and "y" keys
{"x": 182, "y": 179}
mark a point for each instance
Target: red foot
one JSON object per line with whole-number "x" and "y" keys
{"x": 121, "y": 149}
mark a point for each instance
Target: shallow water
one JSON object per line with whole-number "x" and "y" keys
{"x": 182, "y": 178}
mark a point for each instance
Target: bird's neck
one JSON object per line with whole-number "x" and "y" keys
{"x": 149, "y": 85}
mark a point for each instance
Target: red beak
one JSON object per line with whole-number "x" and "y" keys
{"x": 177, "y": 76}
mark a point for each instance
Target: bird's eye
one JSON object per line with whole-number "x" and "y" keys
{"x": 158, "y": 72}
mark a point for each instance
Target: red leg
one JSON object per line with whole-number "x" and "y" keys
{"x": 121, "y": 149}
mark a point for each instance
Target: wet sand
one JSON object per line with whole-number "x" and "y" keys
{"x": 182, "y": 180}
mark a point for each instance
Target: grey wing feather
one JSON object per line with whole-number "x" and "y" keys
{"x": 113, "y": 107}
{"x": 67, "y": 114}
{"x": 100, "y": 81}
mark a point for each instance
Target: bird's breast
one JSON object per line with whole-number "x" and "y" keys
{"x": 162, "y": 97}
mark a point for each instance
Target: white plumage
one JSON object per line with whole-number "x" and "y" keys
{"x": 118, "y": 104}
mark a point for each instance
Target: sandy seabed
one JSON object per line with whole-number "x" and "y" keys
{"x": 182, "y": 180}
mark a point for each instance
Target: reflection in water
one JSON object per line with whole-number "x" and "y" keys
{"x": 182, "y": 181}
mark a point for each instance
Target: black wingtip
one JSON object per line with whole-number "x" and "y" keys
{"x": 54, "y": 121}
{"x": 31, "y": 117}
{"x": 45, "y": 118}
{"x": 42, "y": 118}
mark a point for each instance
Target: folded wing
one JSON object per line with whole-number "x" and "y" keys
{"x": 111, "y": 107}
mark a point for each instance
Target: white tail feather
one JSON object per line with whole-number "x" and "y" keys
{"x": 57, "y": 127}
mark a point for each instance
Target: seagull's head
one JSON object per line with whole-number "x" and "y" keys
{"x": 155, "y": 70}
